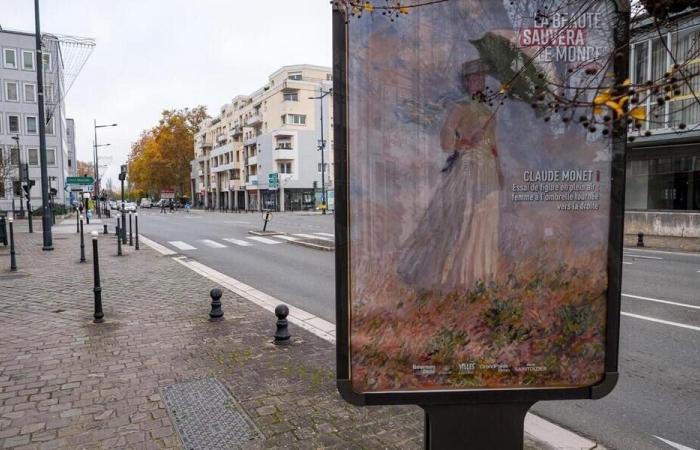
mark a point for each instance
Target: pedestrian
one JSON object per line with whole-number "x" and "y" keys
{"x": 172, "y": 207}
{"x": 162, "y": 206}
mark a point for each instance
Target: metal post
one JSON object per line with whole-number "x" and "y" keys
{"x": 123, "y": 226}
{"x": 98, "y": 315}
{"x": 104, "y": 227}
{"x": 29, "y": 211}
{"x": 82, "y": 242}
{"x": 87, "y": 210}
{"x": 282, "y": 334}
{"x": 119, "y": 242}
{"x": 77, "y": 220}
{"x": 486, "y": 425}
{"x": 136, "y": 219}
{"x": 97, "y": 176}
{"x": 131, "y": 236}
{"x": 13, "y": 259}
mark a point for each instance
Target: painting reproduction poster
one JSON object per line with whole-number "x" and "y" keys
{"x": 479, "y": 194}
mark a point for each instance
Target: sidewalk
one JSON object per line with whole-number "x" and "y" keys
{"x": 68, "y": 383}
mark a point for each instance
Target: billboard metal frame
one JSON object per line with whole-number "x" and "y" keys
{"x": 428, "y": 398}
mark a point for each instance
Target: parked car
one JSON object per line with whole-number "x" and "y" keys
{"x": 130, "y": 206}
{"x": 145, "y": 203}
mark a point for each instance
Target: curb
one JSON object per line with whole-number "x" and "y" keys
{"x": 312, "y": 245}
{"x": 544, "y": 434}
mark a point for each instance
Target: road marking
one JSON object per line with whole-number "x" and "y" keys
{"x": 642, "y": 256}
{"x": 665, "y": 322}
{"x": 311, "y": 236}
{"x": 287, "y": 238}
{"x": 182, "y": 245}
{"x": 646, "y": 250}
{"x": 212, "y": 244}
{"x": 156, "y": 246}
{"x": 649, "y": 299}
{"x": 624, "y": 262}
{"x": 263, "y": 240}
{"x": 672, "y": 444}
{"x": 326, "y": 234}
{"x": 238, "y": 242}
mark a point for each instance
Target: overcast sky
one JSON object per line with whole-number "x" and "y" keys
{"x": 157, "y": 54}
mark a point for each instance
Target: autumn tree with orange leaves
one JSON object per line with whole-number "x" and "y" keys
{"x": 161, "y": 157}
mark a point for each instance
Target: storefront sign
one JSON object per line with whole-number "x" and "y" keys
{"x": 480, "y": 223}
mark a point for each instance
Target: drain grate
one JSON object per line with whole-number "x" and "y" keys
{"x": 207, "y": 417}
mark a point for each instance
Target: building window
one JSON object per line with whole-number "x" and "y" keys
{"x": 325, "y": 166}
{"x": 295, "y": 76}
{"x": 31, "y": 125}
{"x": 30, "y": 92}
{"x": 46, "y": 61}
{"x": 14, "y": 156}
{"x": 49, "y": 126}
{"x": 12, "y": 124}
{"x": 11, "y": 91}
{"x": 50, "y": 156}
{"x": 285, "y": 167}
{"x": 10, "y": 57}
{"x": 291, "y": 96}
{"x": 33, "y": 156}
{"x": 329, "y": 77}
{"x": 27, "y": 60}
{"x": 48, "y": 94}
{"x": 294, "y": 119}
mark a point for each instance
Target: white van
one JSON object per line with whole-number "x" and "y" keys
{"x": 145, "y": 203}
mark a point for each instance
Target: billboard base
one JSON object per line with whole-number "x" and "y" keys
{"x": 476, "y": 426}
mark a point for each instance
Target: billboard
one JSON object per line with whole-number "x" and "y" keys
{"x": 479, "y": 199}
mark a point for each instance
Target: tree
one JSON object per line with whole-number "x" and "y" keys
{"x": 85, "y": 169}
{"x": 161, "y": 157}
{"x": 7, "y": 169}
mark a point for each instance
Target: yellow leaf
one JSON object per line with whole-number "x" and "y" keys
{"x": 597, "y": 110}
{"x": 615, "y": 107}
{"x": 602, "y": 98}
{"x": 403, "y": 10}
{"x": 369, "y": 6}
{"x": 638, "y": 113}
{"x": 627, "y": 82}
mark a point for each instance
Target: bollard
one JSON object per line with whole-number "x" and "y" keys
{"x": 105, "y": 229}
{"x": 117, "y": 227}
{"x": 119, "y": 243}
{"x": 99, "y": 315}
{"x": 77, "y": 220}
{"x": 82, "y": 242}
{"x": 131, "y": 237}
{"x": 282, "y": 334}
{"x": 216, "y": 314}
{"x": 136, "y": 219}
{"x": 640, "y": 239}
{"x": 13, "y": 258}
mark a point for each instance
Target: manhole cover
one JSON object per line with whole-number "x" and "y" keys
{"x": 207, "y": 417}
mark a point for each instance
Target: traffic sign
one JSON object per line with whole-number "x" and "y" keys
{"x": 80, "y": 180}
{"x": 272, "y": 179}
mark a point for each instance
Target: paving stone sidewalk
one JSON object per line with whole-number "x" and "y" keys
{"x": 66, "y": 382}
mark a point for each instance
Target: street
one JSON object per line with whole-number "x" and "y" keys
{"x": 656, "y": 399}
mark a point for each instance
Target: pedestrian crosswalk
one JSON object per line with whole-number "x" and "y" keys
{"x": 247, "y": 241}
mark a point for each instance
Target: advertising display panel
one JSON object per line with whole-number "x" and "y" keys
{"x": 479, "y": 188}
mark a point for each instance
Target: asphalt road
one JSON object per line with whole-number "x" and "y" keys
{"x": 656, "y": 399}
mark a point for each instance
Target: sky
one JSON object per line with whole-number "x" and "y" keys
{"x": 153, "y": 55}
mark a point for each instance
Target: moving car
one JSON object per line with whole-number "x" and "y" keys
{"x": 145, "y": 203}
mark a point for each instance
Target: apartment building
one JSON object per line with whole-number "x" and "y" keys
{"x": 19, "y": 119}
{"x": 663, "y": 169}
{"x": 274, "y": 132}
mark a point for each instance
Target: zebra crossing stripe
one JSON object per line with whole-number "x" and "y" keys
{"x": 182, "y": 245}
{"x": 311, "y": 236}
{"x": 212, "y": 244}
{"x": 287, "y": 238}
{"x": 238, "y": 242}
{"x": 263, "y": 240}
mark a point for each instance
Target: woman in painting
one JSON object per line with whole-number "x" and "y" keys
{"x": 465, "y": 204}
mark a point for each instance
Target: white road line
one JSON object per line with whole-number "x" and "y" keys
{"x": 625, "y": 262}
{"x": 672, "y": 444}
{"x": 641, "y": 256}
{"x": 238, "y": 242}
{"x": 665, "y": 322}
{"x": 263, "y": 240}
{"x": 287, "y": 238}
{"x": 156, "y": 246}
{"x": 212, "y": 244}
{"x": 326, "y": 234}
{"x": 182, "y": 245}
{"x": 649, "y": 299}
{"x": 647, "y": 250}
{"x": 311, "y": 236}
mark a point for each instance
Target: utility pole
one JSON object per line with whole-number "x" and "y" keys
{"x": 322, "y": 147}
{"x": 122, "y": 177}
{"x": 46, "y": 208}
{"x": 96, "y": 161}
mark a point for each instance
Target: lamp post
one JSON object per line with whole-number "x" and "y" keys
{"x": 97, "y": 165}
{"x": 122, "y": 177}
{"x": 322, "y": 147}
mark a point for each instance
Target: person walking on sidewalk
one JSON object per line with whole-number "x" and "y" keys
{"x": 162, "y": 206}
{"x": 172, "y": 207}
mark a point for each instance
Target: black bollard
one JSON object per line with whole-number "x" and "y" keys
{"x": 105, "y": 229}
{"x": 640, "y": 239}
{"x": 136, "y": 219}
{"x": 77, "y": 220}
{"x": 82, "y": 242}
{"x": 216, "y": 314}
{"x": 99, "y": 315}
{"x": 117, "y": 228}
{"x": 282, "y": 334}
{"x": 13, "y": 259}
{"x": 131, "y": 236}
{"x": 119, "y": 243}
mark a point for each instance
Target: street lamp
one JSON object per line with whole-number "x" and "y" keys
{"x": 322, "y": 147}
{"x": 96, "y": 162}
{"x": 122, "y": 177}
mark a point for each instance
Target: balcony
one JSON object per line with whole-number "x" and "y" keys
{"x": 252, "y": 180}
{"x": 252, "y": 160}
{"x": 254, "y": 120}
{"x": 237, "y": 130}
{"x": 284, "y": 153}
{"x": 205, "y": 143}
{"x": 221, "y": 139}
